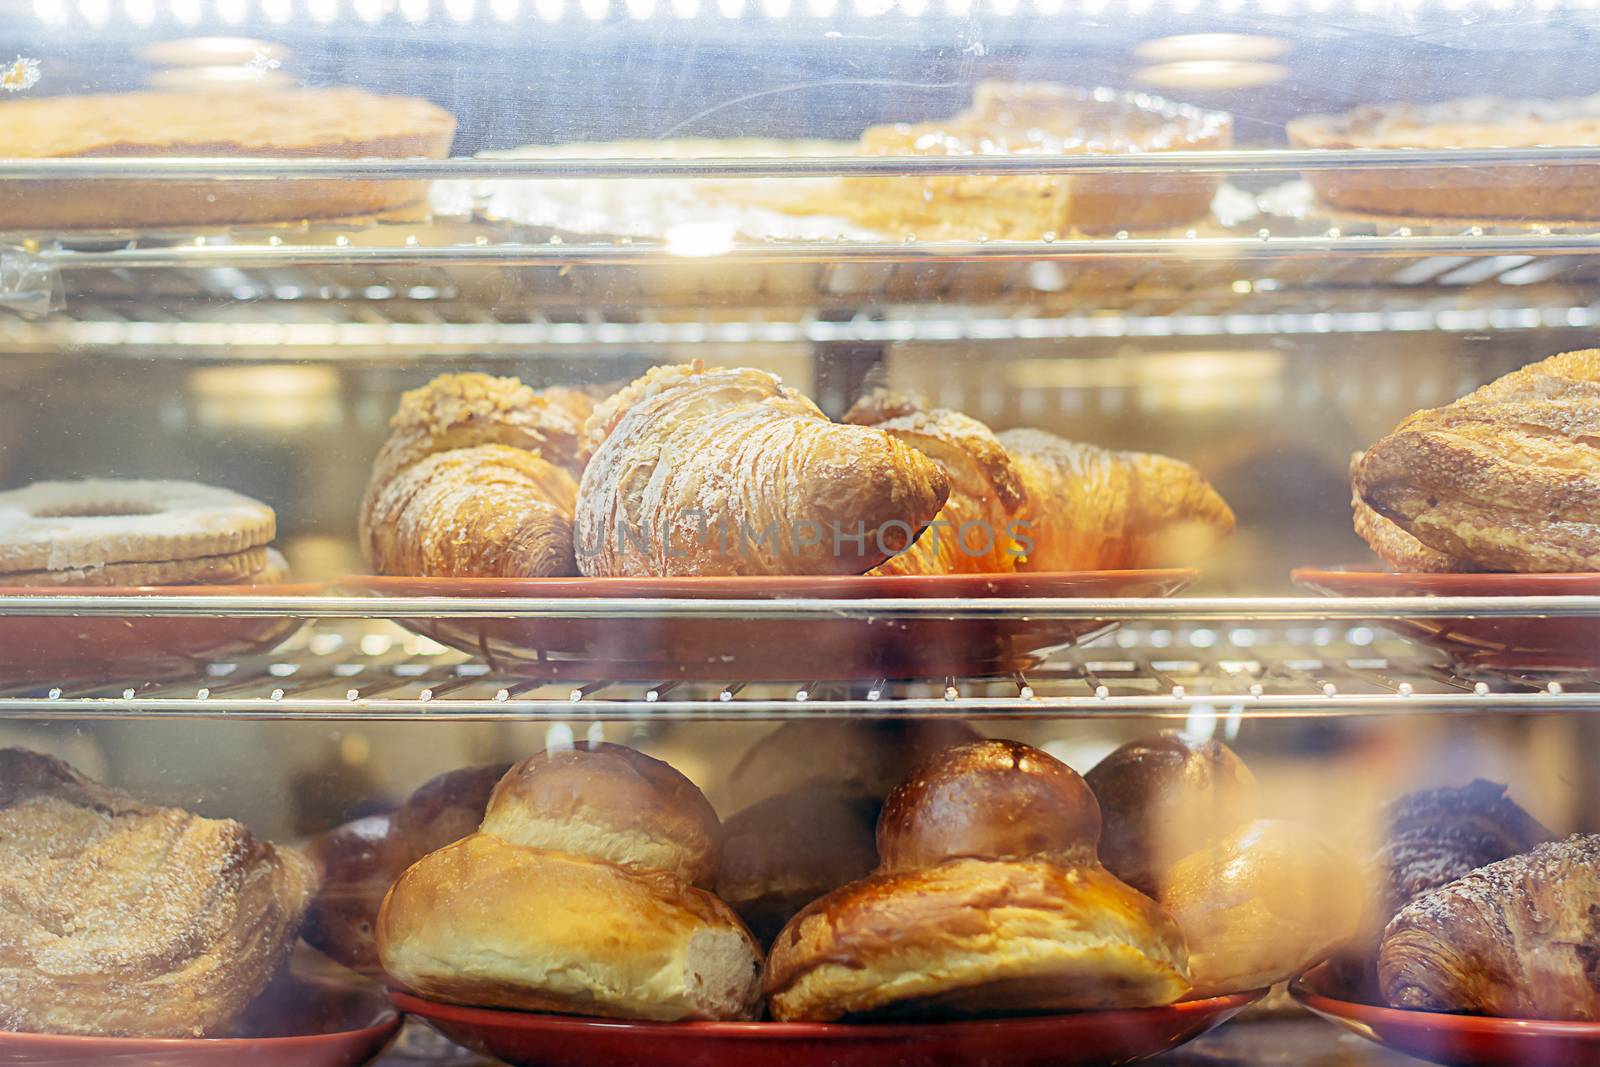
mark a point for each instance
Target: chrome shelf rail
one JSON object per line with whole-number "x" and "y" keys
{"x": 1244, "y": 160}
{"x": 1276, "y": 609}
{"x": 332, "y": 676}
{"x": 561, "y": 254}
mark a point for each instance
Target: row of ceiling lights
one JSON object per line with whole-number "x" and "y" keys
{"x": 236, "y": 12}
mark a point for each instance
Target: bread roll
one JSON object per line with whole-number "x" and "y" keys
{"x": 1505, "y": 479}
{"x": 476, "y": 480}
{"x": 121, "y": 918}
{"x": 1515, "y": 939}
{"x": 361, "y": 859}
{"x": 1163, "y": 797}
{"x": 998, "y": 800}
{"x": 979, "y": 935}
{"x": 1092, "y": 508}
{"x": 594, "y": 928}
{"x": 727, "y": 472}
{"x": 357, "y": 870}
{"x": 786, "y": 851}
{"x": 609, "y": 802}
{"x": 1261, "y": 904}
{"x": 491, "y": 923}
{"x": 853, "y": 757}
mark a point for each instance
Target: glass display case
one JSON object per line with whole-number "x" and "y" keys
{"x": 918, "y": 532}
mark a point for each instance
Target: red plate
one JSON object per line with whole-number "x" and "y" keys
{"x": 93, "y": 647}
{"x": 313, "y": 1025}
{"x": 1458, "y": 1040}
{"x": 526, "y": 1038}
{"x": 1497, "y": 644}
{"x": 650, "y": 649}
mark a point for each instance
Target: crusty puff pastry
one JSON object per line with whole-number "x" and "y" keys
{"x": 119, "y": 917}
{"x": 1504, "y": 479}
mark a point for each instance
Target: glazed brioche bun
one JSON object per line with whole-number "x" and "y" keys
{"x": 994, "y": 800}
{"x": 1262, "y": 904}
{"x": 361, "y": 859}
{"x": 783, "y": 853}
{"x": 853, "y": 757}
{"x": 491, "y": 923}
{"x": 988, "y": 901}
{"x": 608, "y": 802}
{"x": 1161, "y": 797}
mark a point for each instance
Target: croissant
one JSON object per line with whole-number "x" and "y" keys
{"x": 727, "y": 472}
{"x": 975, "y": 531}
{"x": 1504, "y": 479}
{"x": 1432, "y": 837}
{"x": 1516, "y": 938}
{"x": 1095, "y": 509}
{"x": 477, "y": 479}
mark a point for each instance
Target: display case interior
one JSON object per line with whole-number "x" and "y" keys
{"x": 362, "y": 366}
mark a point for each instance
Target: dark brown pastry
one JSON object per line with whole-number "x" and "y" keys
{"x": 1519, "y": 938}
{"x": 1431, "y": 838}
{"x": 786, "y": 851}
{"x": 1163, "y": 797}
{"x": 854, "y": 757}
{"x": 361, "y": 859}
{"x": 119, "y": 917}
{"x": 812, "y": 791}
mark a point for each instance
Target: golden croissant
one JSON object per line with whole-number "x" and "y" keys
{"x": 1516, "y": 939}
{"x": 477, "y": 479}
{"x": 975, "y": 531}
{"x": 1504, "y": 479}
{"x": 1093, "y": 508}
{"x": 717, "y": 471}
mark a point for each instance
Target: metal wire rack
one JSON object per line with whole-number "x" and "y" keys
{"x": 374, "y": 672}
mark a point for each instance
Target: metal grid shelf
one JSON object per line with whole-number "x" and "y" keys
{"x": 1274, "y": 609}
{"x": 364, "y": 674}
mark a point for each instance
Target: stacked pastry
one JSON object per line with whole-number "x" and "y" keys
{"x": 987, "y": 899}
{"x": 107, "y": 532}
{"x": 584, "y": 890}
{"x": 122, "y": 918}
{"x": 708, "y": 471}
{"x": 1505, "y": 479}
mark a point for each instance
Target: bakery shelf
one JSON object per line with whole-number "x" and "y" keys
{"x": 1402, "y": 241}
{"x": 1232, "y": 161}
{"x": 1227, "y": 608}
{"x": 372, "y": 672}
